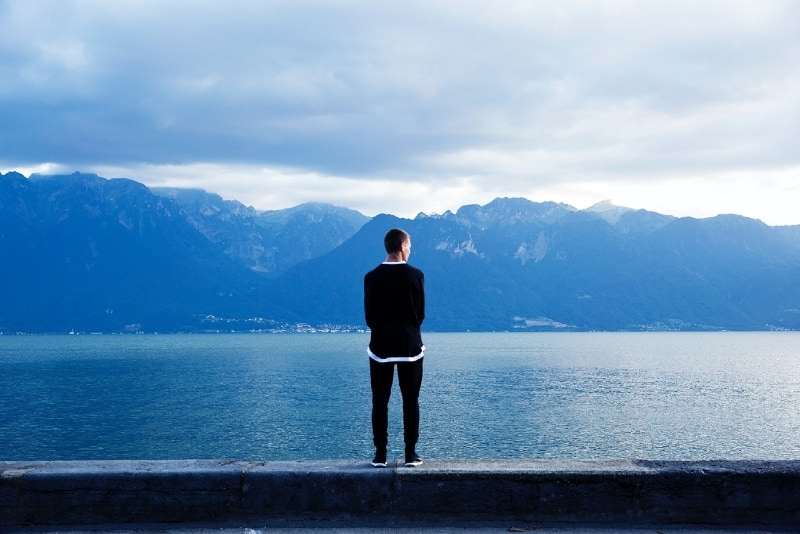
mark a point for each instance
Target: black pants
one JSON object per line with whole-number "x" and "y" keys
{"x": 409, "y": 375}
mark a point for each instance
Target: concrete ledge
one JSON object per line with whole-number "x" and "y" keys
{"x": 555, "y": 491}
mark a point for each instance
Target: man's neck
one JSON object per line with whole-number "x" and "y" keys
{"x": 394, "y": 258}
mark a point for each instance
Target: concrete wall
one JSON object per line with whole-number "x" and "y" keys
{"x": 596, "y": 492}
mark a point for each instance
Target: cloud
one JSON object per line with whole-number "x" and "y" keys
{"x": 462, "y": 97}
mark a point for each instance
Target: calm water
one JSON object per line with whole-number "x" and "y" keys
{"x": 306, "y": 396}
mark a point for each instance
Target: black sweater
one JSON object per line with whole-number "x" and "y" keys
{"x": 394, "y": 307}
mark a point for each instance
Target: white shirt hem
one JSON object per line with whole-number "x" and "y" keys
{"x": 396, "y": 359}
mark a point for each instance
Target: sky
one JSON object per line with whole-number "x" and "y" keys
{"x": 683, "y": 107}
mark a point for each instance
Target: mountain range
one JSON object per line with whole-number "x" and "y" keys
{"x": 86, "y": 254}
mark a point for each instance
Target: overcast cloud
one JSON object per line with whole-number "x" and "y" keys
{"x": 681, "y": 107}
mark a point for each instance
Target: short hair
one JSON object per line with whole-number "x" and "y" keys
{"x": 394, "y": 239}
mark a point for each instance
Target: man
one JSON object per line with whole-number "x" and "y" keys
{"x": 394, "y": 306}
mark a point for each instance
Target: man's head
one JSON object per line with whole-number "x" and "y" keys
{"x": 395, "y": 240}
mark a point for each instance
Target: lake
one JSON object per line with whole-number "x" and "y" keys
{"x": 666, "y": 395}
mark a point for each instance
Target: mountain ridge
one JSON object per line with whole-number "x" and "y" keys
{"x": 86, "y": 253}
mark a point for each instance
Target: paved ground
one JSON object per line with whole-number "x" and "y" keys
{"x": 406, "y": 528}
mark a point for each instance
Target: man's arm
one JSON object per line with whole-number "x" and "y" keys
{"x": 369, "y": 307}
